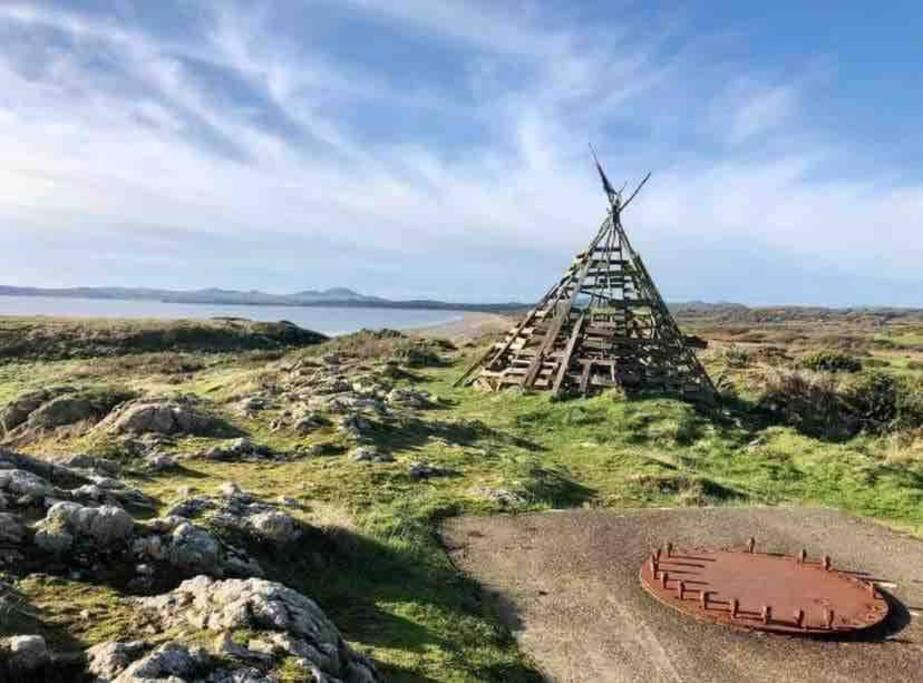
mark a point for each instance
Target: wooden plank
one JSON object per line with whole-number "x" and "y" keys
{"x": 568, "y": 352}
{"x": 549, "y": 339}
{"x": 585, "y": 377}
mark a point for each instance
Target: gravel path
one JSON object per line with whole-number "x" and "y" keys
{"x": 567, "y": 583}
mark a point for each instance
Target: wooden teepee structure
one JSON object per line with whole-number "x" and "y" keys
{"x": 603, "y": 324}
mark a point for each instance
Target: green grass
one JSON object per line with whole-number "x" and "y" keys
{"x": 377, "y": 567}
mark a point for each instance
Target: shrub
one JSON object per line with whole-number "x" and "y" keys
{"x": 831, "y": 360}
{"x": 736, "y": 357}
{"x": 811, "y": 404}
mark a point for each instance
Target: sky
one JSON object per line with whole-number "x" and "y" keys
{"x": 428, "y": 148}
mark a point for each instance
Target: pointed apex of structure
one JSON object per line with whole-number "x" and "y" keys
{"x": 604, "y": 324}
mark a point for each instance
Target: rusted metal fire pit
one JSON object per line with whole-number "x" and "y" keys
{"x": 764, "y": 591}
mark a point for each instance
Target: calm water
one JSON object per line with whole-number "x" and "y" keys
{"x": 321, "y": 319}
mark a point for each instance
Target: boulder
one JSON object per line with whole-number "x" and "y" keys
{"x": 160, "y": 462}
{"x": 12, "y": 529}
{"x": 26, "y": 654}
{"x": 63, "y": 410}
{"x": 104, "y": 526}
{"x": 24, "y": 483}
{"x": 424, "y": 470}
{"x": 172, "y": 662}
{"x": 369, "y": 454}
{"x": 194, "y": 549}
{"x": 106, "y": 660}
{"x": 18, "y": 410}
{"x": 410, "y": 398}
{"x": 280, "y": 621}
{"x": 161, "y": 417}
{"x": 238, "y": 449}
{"x": 275, "y": 526}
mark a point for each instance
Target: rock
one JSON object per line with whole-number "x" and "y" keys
{"x": 63, "y": 410}
{"x": 24, "y": 483}
{"x": 309, "y": 422}
{"x": 27, "y": 653}
{"x": 409, "y": 398}
{"x": 280, "y": 620}
{"x": 275, "y": 526}
{"x": 105, "y": 526}
{"x": 194, "y": 549}
{"x": 104, "y": 466}
{"x": 12, "y": 529}
{"x": 370, "y": 454}
{"x": 504, "y": 497}
{"x": 166, "y": 662}
{"x": 229, "y": 488}
{"x": 160, "y": 462}
{"x": 191, "y": 507}
{"x": 161, "y": 417}
{"x": 354, "y": 425}
{"x": 424, "y": 470}
{"x": 238, "y": 449}
{"x": 107, "y": 659}
{"x": 17, "y": 411}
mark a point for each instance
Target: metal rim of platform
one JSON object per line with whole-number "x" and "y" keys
{"x": 763, "y": 591}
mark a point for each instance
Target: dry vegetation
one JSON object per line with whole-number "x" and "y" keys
{"x": 819, "y": 407}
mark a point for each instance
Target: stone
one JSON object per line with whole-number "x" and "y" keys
{"x": 24, "y": 483}
{"x": 503, "y": 497}
{"x": 166, "y": 662}
{"x": 160, "y": 417}
{"x": 60, "y": 411}
{"x": 354, "y": 425}
{"x": 104, "y": 466}
{"x": 108, "y": 659}
{"x": 238, "y": 449}
{"x": 27, "y": 653}
{"x": 191, "y": 507}
{"x": 12, "y": 529}
{"x": 160, "y": 462}
{"x": 18, "y": 410}
{"x": 369, "y": 454}
{"x": 275, "y": 526}
{"x": 409, "y": 398}
{"x": 194, "y": 549}
{"x": 424, "y": 470}
{"x": 229, "y": 488}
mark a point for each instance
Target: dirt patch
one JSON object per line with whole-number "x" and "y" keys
{"x": 567, "y": 584}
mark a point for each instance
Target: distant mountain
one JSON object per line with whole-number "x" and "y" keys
{"x": 335, "y": 296}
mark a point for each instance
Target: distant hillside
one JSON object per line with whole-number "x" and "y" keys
{"x": 336, "y": 296}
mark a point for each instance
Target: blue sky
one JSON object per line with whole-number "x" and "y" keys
{"x": 431, "y": 148}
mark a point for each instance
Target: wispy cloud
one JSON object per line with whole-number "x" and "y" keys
{"x": 272, "y": 153}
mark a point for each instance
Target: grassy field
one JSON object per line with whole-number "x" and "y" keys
{"x": 376, "y": 564}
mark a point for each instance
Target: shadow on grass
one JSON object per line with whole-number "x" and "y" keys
{"x": 18, "y": 617}
{"x": 403, "y": 596}
{"x": 412, "y": 432}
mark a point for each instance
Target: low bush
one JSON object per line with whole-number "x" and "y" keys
{"x": 831, "y": 360}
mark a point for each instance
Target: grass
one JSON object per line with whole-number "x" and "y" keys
{"x": 376, "y": 564}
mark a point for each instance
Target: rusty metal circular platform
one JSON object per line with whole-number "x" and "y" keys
{"x": 764, "y": 591}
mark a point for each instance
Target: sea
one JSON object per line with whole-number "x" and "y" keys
{"x": 327, "y": 320}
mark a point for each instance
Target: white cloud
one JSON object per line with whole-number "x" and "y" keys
{"x": 77, "y": 152}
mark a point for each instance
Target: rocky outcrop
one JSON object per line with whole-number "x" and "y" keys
{"x": 37, "y": 412}
{"x": 281, "y": 624}
{"x": 238, "y": 449}
{"x": 27, "y": 482}
{"x": 18, "y": 410}
{"x": 106, "y": 527}
{"x": 23, "y": 658}
{"x": 181, "y": 416}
